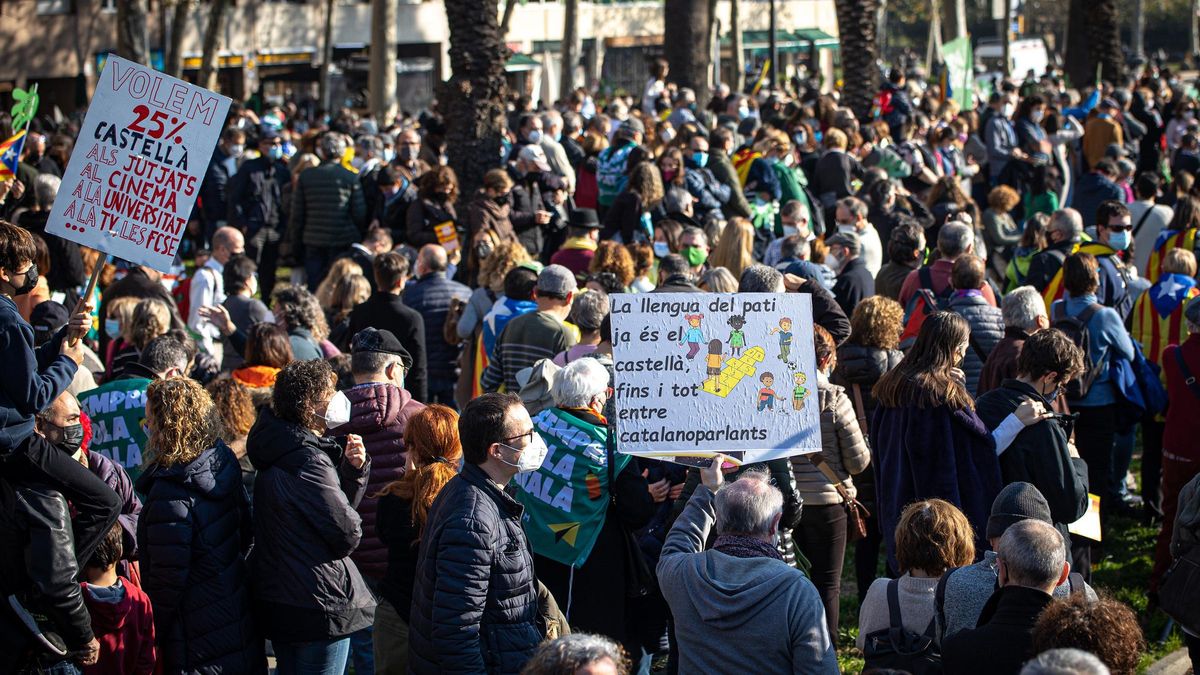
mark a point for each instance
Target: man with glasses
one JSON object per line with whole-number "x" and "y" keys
{"x": 254, "y": 205}
{"x": 1114, "y": 232}
{"x": 475, "y": 599}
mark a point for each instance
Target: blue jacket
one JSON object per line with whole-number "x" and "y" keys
{"x": 195, "y": 532}
{"x": 1090, "y": 191}
{"x": 1107, "y": 339}
{"x": 33, "y": 378}
{"x": 1001, "y": 139}
{"x": 702, "y": 185}
{"x": 430, "y": 296}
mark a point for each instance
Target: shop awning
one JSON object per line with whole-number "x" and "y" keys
{"x": 521, "y": 62}
{"x": 785, "y": 41}
{"x": 819, "y": 38}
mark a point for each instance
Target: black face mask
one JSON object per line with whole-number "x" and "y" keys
{"x": 31, "y": 279}
{"x": 72, "y": 438}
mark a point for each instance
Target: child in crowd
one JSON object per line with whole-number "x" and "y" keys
{"x": 122, "y": 619}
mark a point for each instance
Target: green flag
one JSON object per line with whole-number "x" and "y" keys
{"x": 960, "y": 71}
{"x": 566, "y": 500}
{"x": 117, "y": 410}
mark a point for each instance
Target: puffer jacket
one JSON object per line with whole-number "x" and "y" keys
{"x": 431, "y": 296}
{"x": 475, "y": 602}
{"x": 987, "y": 330}
{"x": 328, "y": 208}
{"x": 306, "y": 587}
{"x": 379, "y": 412}
{"x": 863, "y": 366}
{"x": 843, "y": 448}
{"x": 195, "y": 531}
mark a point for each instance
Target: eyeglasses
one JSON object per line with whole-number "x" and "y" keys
{"x": 528, "y": 436}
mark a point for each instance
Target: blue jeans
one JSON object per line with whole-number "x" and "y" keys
{"x": 322, "y": 657}
{"x": 362, "y": 651}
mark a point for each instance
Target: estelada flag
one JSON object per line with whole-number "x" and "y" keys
{"x": 10, "y": 155}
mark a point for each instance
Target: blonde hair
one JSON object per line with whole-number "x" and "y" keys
{"x": 735, "y": 248}
{"x": 1179, "y": 261}
{"x": 182, "y": 418}
{"x": 350, "y": 291}
{"x": 121, "y": 309}
{"x": 151, "y": 317}
{"x": 340, "y": 269}
{"x": 836, "y": 139}
{"x": 503, "y": 258}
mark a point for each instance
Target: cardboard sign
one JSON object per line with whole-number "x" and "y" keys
{"x": 698, "y": 374}
{"x": 1088, "y": 526}
{"x": 447, "y": 236}
{"x": 137, "y": 165}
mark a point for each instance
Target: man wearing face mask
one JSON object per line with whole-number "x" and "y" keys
{"x": 851, "y": 216}
{"x": 854, "y": 280}
{"x": 1114, "y": 227}
{"x": 711, "y": 195}
{"x": 255, "y": 206}
{"x": 1001, "y": 137}
{"x": 530, "y": 131}
{"x": 475, "y": 598}
{"x": 222, "y": 166}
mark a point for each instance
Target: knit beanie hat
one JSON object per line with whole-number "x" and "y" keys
{"x": 1017, "y": 502}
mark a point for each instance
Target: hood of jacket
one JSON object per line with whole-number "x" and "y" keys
{"x": 272, "y": 442}
{"x": 731, "y": 593}
{"x": 214, "y": 473}
{"x": 108, "y": 617}
{"x": 865, "y": 365}
{"x": 374, "y": 406}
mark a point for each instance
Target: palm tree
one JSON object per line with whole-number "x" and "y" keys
{"x": 212, "y": 35}
{"x": 132, "y": 31}
{"x": 382, "y": 83}
{"x": 472, "y": 100}
{"x": 857, "y": 21}
{"x": 570, "y": 47}
{"x": 686, "y": 38}
{"x": 1094, "y": 39}
{"x": 173, "y": 58}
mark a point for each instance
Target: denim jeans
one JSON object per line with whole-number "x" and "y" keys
{"x": 322, "y": 657}
{"x": 362, "y": 651}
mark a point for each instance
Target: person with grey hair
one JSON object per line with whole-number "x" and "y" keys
{"x": 368, "y": 154}
{"x": 683, "y": 108}
{"x": 851, "y": 216}
{"x": 556, "y": 154}
{"x": 432, "y": 294}
{"x": 761, "y": 279}
{"x": 1024, "y": 314}
{"x": 1065, "y": 661}
{"x": 601, "y": 492}
{"x": 329, "y": 210}
{"x": 572, "y": 125}
{"x": 740, "y": 581}
{"x": 718, "y": 280}
{"x": 1031, "y": 563}
{"x": 954, "y": 241}
{"x": 587, "y": 313}
{"x": 578, "y": 653}
{"x": 1063, "y": 234}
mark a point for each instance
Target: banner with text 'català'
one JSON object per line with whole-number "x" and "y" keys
{"x": 702, "y": 373}
{"x": 137, "y": 165}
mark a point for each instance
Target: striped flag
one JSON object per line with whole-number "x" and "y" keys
{"x": 1158, "y": 314}
{"x": 1166, "y": 241}
{"x": 10, "y": 155}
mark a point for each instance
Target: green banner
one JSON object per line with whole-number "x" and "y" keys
{"x": 566, "y": 500}
{"x": 960, "y": 66}
{"x": 118, "y": 410}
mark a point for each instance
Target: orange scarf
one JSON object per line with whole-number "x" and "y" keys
{"x": 256, "y": 376}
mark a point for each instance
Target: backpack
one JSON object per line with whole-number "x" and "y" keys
{"x": 923, "y": 303}
{"x": 897, "y": 648}
{"x": 1076, "y": 329}
{"x": 882, "y": 106}
{"x": 611, "y": 176}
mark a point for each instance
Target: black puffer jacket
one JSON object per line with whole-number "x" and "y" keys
{"x": 194, "y": 531}
{"x": 475, "y": 602}
{"x": 306, "y": 587}
{"x": 987, "y": 330}
{"x": 863, "y": 366}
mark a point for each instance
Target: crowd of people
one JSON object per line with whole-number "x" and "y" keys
{"x": 316, "y": 442}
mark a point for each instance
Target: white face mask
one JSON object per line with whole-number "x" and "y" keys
{"x": 1008, "y": 110}
{"x": 337, "y": 412}
{"x": 847, "y": 229}
{"x": 789, "y": 230}
{"x": 1037, "y": 116}
{"x": 531, "y": 457}
{"x": 833, "y": 262}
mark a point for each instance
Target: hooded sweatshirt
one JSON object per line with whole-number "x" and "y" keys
{"x": 123, "y": 623}
{"x": 772, "y": 606}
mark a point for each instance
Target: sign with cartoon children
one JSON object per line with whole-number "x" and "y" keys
{"x": 698, "y": 374}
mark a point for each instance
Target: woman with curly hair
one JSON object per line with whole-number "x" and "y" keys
{"x": 578, "y": 653}
{"x": 193, "y": 537}
{"x": 267, "y": 351}
{"x": 869, "y": 353}
{"x": 236, "y": 409}
{"x": 735, "y": 248}
{"x": 151, "y": 318}
{"x": 309, "y": 596}
{"x": 434, "y": 453}
{"x": 298, "y": 312}
{"x": 613, "y": 257}
{"x": 1107, "y": 628}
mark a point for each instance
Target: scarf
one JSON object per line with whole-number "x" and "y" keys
{"x": 745, "y": 547}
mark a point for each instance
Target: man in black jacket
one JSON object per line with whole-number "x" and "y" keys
{"x": 255, "y": 207}
{"x": 1063, "y": 233}
{"x": 38, "y": 569}
{"x": 475, "y": 598}
{"x": 431, "y": 294}
{"x": 854, "y": 280}
{"x": 1042, "y": 454}
{"x": 385, "y": 310}
{"x": 1032, "y": 563}
{"x": 675, "y": 276}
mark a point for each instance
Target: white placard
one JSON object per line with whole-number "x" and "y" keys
{"x": 702, "y": 373}
{"x": 137, "y": 165}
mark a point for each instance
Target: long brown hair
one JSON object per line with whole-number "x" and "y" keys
{"x": 923, "y": 378}
{"x": 431, "y": 441}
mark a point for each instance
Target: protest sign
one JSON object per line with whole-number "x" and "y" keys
{"x": 118, "y": 410}
{"x": 697, "y": 374}
{"x": 138, "y": 163}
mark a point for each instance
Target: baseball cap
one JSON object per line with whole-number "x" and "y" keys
{"x": 557, "y": 280}
{"x": 382, "y": 342}
{"x": 1016, "y": 502}
{"x": 534, "y": 153}
{"x": 46, "y": 318}
{"x": 633, "y": 124}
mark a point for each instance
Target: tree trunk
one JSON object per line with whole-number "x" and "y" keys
{"x": 509, "y": 6}
{"x": 133, "y": 31}
{"x": 212, "y": 35}
{"x": 173, "y": 56}
{"x": 1139, "y": 28}
{"x": 1193, "y": 35}
{"x": 860, "y": 75}
{"x": 738, "y": 60}
{"x": 685, "y": 42}
{"x": 570, "y": 47}
{"x": 472, "y": 100}
{"x": 1094, "y": 40}
{"x": 382, "y": 83}
{"x": 954, "y": 20}
{"x": 323, "y": 92}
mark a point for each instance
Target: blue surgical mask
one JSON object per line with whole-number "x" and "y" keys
{"x": 743, "y": 112}
{"x": 535, "y": 137}
{"x": 112, "y": 328}
{"x": 275, "y": 152}
{"x": 661, "y": 249}
{"x": 1119, "y": 240}
{"x": 700, "y": 158}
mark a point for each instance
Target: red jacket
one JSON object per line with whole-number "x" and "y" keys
{"x": 1183, "y": 415}
{"x": 125, "y": 630}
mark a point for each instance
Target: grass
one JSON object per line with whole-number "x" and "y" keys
{"x": 1123, "y": 574}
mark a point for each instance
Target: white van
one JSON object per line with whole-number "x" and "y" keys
{"x": 1023, "y": 56}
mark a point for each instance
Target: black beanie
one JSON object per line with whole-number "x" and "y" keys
{"x": 1017, "y": 502}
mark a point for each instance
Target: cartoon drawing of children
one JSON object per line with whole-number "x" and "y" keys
{"x": 785, "y": 338}
{"x": 714, "y": 364}
{"x": 692, "y": 336}
{"x": 799, "y": 392}
{"x": 766, "y": 395}
{"x": 737, "y": 337}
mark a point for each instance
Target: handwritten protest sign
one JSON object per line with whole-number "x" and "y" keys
{"x": 138, "y": 163}
{"x": 698, "y": 374}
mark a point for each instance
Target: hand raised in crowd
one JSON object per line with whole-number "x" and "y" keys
{"x": 712, "y": 476}
{"x": 88, "y": 654}
{"x": 541, "y": 217}
{"x": 658, "y": 490}
{"x": 356, "y": 452}
{"x": 73, "y": 349}
{"x": 219, "y": 317}
{"x": 1032, "y": 412}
